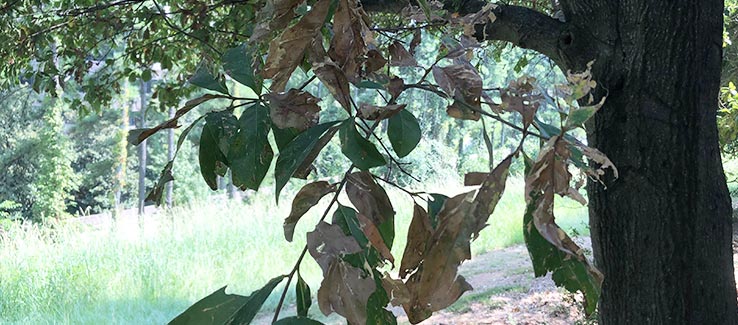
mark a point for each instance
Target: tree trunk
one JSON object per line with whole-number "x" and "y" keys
{"x": 661, "y": 232}
{"x": 170, "y": 157}
{"x": 142, "y": 151}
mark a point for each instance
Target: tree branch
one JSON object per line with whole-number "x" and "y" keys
{"x": 521, "y": 26}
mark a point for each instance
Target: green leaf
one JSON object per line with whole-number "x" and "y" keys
{"x": 295, "y": 153}
{"x": 522, "y": 63}
{"x": 217, "y": 134}
{"x": 578, "y": 116}
{"x": 247, "y": 312}
{"x": 146, "y": 75}
{"x": 204, "y": 77}
{"x": 368, "y": 84}
{"x": 426, "y": 9}
{"x": 216, "y": 308}
{"x": 302, "y": 294}
{"x": 360, "y": 151}
{"x": 403, "y": 131}
{"x": 375, "y": 312}
{"x": 284, "y": 136}
{"x": 250, "y": 154}
{"x": 435, "y": 206}
{"x": 297, "y": 320}
{"x": 238, "y": 63}
{"x": 346, "y": 218}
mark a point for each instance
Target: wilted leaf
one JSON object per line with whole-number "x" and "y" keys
{"x": 372, "y": 201}
{"x": 295, "y": 153}
{"x": 464, "y": 84}
{"x": 519, "y": 97}
{"x": 238, "y": 62}
{"x": 474, "y": 178}
{"x": 373, "y": 113}
{"x": 403, "y": 131}
{"x": 275, "y": 16}
{"x": 346, "y": 291}
{"x": 348, "y": 44}
{"x": 550, "y": 247}
{"x": 294, "y": 109}
{"x": 396, "y": 290}
{"x": 400, "y": 57}
{"x": 489, "y": 195}
{"x": 335, "y": 80}
{"x": 327, "y": 243}
{"x": 136, "y": 136}
{"x": 362, "y": 153}
{"x": 375, "y": 238}
{"x": 166, "y": 176}
{"x": 216, "y": 309}
{"x": 302, "y": 296}
{"x": 396, "y": 87}
{"x": 250, "y": 154}
{"x": 417, "y": 37}
{"x": 374, "y": 61}
{"x": 286, "y": 52}
{"x": 436, "y": 284}
{"x": 418, "y": 235}
{"x": 308, "y": 196}
{"x": 207, "y": 77}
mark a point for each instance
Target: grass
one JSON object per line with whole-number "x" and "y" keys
{"x": 131, "y": 274}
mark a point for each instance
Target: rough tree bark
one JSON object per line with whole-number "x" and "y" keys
{"x": 661, "y": 232}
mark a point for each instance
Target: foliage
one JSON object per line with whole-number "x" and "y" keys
{"x": 366, "y": 68}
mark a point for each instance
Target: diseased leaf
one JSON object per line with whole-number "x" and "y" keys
{"x": 373, "y": 113}
{"x": 396, "y": 87}
{"x": 166, "y": 176}
{"x": 307, "y": 197}
{"x": 375, "y": 238}
{"x": 400, "y": 57}
{"x": 417, "y": 38}
{"x": 372, "y": 201}
{"x": 302, "y": 296}
{"x": 207, "y": 77}
{"x": 294, "y": 109}
{"x": 418, "y": 235}
{"x": 549, "y": 246}
{"x": 474, "y": 178}
{"x": 489, "y": 195}
{"x": 396, "y": 290}
{"x": 286, "y": 52}
{"x": 238, "y": 62}
{"x": 304, "y": 169}
{"x": 335, "y": 80}
{"x": 403, "y": 131}
{"x": 250, "y": 154}
{"x": 362, "y": 153}
{"x": 346, "y": 291}
{"x": 217, "y": 308}
{"x": 519, "y": 97}
{"x": 295, "y": 153}
{"x": 247, "y": 311}
{"x": 348, "y": 44}
{"x": 219, "y": 129}
{"x": 463, "y": 83}
{"x": 374, "y": 61}
{"x": 436, "y": 284}
{"x": 136, "y": 136}
{"x": 297, "y": 320}
{"x": 327, "y": 243}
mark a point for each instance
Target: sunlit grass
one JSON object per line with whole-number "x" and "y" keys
{"x": 148, "y": 273}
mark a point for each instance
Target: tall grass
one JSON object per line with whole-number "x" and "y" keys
{"x": 147, "y": 273}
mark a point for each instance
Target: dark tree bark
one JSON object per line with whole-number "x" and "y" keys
{"x": 661, "y": 232}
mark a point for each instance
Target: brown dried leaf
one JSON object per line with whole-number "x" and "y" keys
{"x": 327, "y": 243}
{"x": 396, "y": 87}
{"x": 375, "y": 238}
{"x": 489, "y": 195}
{"x": 400, "y": 57}
{"x": 396, "y": 290}
{"x": 348, "y": 42}
{"x": 372, "y": 113}
{"x": 418, "y": 235}
{"x": 599, "y": 158}
{"x": 463, "y": 83}
{"x": 519, "y": 97}
{"x": 335, "y": 80}
{"x": 436, "y": 284}
{"x": 369, "y": 198}
{"x": 294, "y": 108}
{"x": 374, "y": 61}
{"x": 286, "y": 52}
{"x": 462, "y": 111}
{"x": 474, "y": 178}
{"x": 417, "y": 38}
{"x": 308, "y": 196}
{"x": 346, "y": 291}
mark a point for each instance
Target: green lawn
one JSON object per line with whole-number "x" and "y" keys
{"x": 147, "y": 275}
